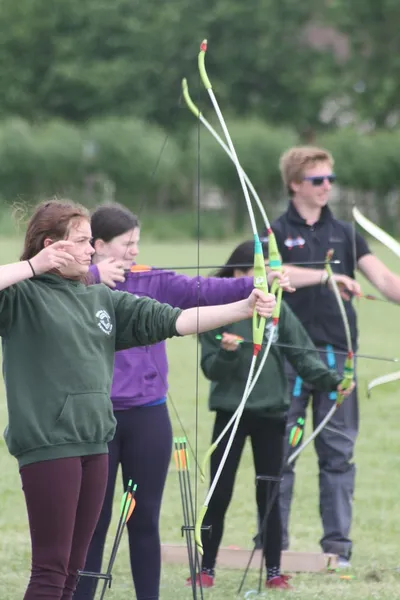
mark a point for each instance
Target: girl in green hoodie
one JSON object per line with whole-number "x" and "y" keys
{"x": 225, "y": 361}
{"x": 59, "y": 338}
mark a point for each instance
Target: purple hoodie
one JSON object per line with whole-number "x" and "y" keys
{"x": 140, "y": 374}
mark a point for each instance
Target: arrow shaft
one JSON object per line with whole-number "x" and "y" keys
{"x": 140, "y": 268}
{"x": 342, "y": 353}
{"x": 319, "y": 349}
{"x": 369, "y": 297}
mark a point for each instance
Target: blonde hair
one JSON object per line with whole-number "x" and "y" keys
{"x": 295, "y": 161}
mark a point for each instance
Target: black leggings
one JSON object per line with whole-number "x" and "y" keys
{"x": 267, "y": 437}
{"x": 142, "y": 445}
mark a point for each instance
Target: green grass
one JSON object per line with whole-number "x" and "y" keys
{"x": 376, "y": 527}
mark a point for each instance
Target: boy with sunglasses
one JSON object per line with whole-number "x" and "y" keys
{"x": 305, "y": 232}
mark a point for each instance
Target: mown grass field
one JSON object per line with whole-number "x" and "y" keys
{"x": 376, "y": 526}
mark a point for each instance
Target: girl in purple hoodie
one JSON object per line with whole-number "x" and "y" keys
{"x": 139, "y": 393}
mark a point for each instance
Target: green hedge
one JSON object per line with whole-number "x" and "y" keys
{"x": 140, "y": 165}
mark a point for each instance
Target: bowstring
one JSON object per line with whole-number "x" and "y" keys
{"x": 139, "y": 213}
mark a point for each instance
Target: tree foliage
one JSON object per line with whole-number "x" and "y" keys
{"x": 79, "y": 59}
{"x": 369, "y": 76}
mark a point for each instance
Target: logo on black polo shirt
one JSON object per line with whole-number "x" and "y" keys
{"x": 293, "y": 242}
{"x": 104, "y": 321}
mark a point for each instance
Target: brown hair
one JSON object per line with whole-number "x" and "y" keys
{"x": 295, "y": 161}
{"x": 51, "y": 219}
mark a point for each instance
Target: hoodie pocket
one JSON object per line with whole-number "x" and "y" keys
{"x": 85, "y": 417}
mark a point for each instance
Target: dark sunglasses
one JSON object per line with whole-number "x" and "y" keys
{"x": 319, "y": 180}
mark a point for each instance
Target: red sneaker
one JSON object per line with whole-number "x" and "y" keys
{"x": 280, "y": 583}
{"x": 207, "y": 581}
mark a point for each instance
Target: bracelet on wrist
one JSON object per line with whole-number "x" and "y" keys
{"x": 324, "y": 279}
{"x": 33, "y": 270}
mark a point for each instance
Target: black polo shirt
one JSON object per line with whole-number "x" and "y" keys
{"x": 316, "y": 306}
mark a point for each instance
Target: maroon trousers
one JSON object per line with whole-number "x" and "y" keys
{"x": 64, "y": 498}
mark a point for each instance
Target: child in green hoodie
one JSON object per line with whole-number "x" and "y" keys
{"x": 226, "y": 355}
{"x": 59, "y": 337}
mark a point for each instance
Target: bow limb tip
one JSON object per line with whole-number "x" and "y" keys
{"x": 329, "y": 254}
{"x": 202, "y": 66}
{"x": 197, "y": 528}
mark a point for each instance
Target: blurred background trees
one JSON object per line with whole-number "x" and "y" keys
{"x": 91, "y": 107}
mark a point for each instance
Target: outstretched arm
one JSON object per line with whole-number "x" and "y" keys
{"x": 380, "y": 276}
{"x": 301, "y": 277}
{"x": 14, "y": 273}
{"x": 198, "y": 320}
{"x": 143, "y": 321}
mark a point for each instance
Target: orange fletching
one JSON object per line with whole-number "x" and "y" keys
{"x": 131, "y": 508}
{"x": 176, "y": 459}
{"x": 139, "y": 268}
{"x": 183, "y": 459}
{"x": 180, "y": 459}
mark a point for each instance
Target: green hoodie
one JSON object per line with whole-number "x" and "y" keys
{"x": 228, "y": 370}
{"x": 59, "y": 338}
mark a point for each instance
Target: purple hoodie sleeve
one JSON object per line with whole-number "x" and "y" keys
{"x": 187, "y": 292}
{"x": 94, "y": 272}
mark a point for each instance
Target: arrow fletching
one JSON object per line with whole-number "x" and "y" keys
{"x": 128, "y": 502}
{"x": 296, "y": 433}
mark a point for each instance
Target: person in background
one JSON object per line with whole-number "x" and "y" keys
{"x": 306, "y": 231}
{"x": 226, "y": 364}
{"x": 139, "y": 393}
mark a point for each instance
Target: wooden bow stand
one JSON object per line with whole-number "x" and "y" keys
{"x": 237, "y": 558}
